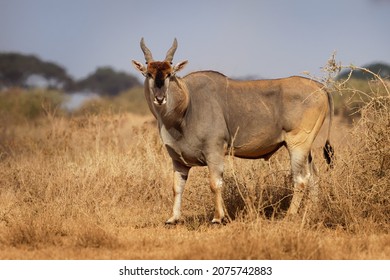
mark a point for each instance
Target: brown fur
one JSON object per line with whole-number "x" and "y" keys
{"x": 159, "y": 66}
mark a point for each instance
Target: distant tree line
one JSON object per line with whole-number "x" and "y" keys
{"x": 383, "y": 70}
{"x": 16, "y": 70}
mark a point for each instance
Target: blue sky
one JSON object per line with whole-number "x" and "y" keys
{"x": 260, "y": 38}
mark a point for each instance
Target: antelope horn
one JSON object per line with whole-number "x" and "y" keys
{"x": 171, "y": 52}
{"x": 147, "y": 52}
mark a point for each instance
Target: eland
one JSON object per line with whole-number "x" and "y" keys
{"x": 204, "y": 115}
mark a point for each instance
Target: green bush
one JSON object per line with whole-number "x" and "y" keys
{"x": 132, "y": 101}
{"x": 21, "y": 105}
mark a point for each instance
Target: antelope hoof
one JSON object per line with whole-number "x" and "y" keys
{"x": 174, "y": 221}
{"x": 171, "y": 221}
{"x": 216, "y": 221}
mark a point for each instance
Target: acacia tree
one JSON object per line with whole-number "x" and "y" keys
{"x": 107, "y": 81}
{"x": 15, "y": 69}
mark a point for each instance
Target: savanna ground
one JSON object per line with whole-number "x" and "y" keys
{"x": 97, "y": 185}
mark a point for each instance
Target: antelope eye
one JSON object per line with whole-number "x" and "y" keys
{"x": 149, "y": 75}
{"x": 169, "y": 75}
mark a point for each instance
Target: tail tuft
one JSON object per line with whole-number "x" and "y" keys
{"x": 329, "y": 153}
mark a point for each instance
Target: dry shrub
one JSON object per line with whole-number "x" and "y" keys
{"x": 356, "y": 195}
{"x": 257, "y": 188}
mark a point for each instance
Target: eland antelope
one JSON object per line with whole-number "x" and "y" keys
{"x": 204, "y": 115}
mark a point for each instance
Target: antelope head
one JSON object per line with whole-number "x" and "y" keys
{"x": 158, "y": 74}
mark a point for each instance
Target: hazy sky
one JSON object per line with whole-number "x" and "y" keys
{"x": 260, "y": 38}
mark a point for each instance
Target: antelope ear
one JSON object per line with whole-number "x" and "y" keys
{"x": 139, "y": 66}
{"x": 178, "y": 67}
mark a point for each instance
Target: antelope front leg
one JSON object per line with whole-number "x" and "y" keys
{"x": 180, "y": 176}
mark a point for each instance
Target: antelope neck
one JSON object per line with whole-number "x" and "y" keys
{"x": 173, "y": 112}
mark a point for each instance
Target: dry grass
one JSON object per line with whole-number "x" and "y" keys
{"x": 99, "y": 187}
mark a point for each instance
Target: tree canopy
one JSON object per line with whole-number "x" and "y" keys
{"x": 15, "y": 69}
{"x": 107, "y": 81}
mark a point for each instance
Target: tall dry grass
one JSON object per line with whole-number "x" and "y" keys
{"x": 356, "y": 195}
{"x": 99, "y": 186}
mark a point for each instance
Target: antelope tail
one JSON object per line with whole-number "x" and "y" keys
{"x": 328, "y": 149}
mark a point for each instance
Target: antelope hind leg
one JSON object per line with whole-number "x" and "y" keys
{"x": 216, "y": 183}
